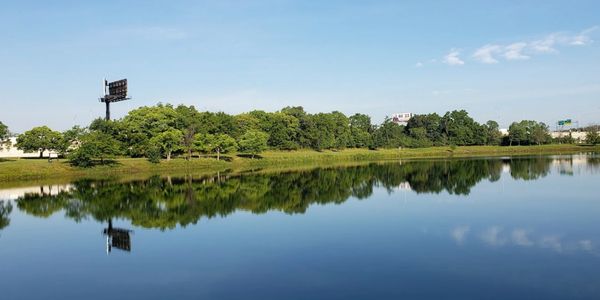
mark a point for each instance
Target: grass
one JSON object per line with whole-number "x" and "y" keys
{"x": 22, "y": 171}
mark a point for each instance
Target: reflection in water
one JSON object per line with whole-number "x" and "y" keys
{"x": 166, "y": 203}
{"x": 117, "y": 238}
{"x": 512, "y": 239}
{"x": 5, "y": 209}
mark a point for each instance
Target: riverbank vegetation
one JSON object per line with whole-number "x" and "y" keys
{"x": 21, "y": 170}
{"x": 164, "y": 131}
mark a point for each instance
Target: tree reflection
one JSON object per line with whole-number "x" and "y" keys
{"x": 167, "y": 202}
{"x": 5, "y": 209}
{"x": 531, "y": 168}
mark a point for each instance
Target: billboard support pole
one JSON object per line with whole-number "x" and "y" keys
{"x": 107, "y": 110}
{"x": 117, "y": 91}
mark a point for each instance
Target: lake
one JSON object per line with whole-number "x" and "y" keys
{"x": 493, "y": 228}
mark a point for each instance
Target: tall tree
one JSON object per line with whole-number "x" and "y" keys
{"x": 4, "y": 136}
{"x": 40, "y": 139}
{"x": 217, "y": 143}
{"x": 492, "y": 133}
{"x": 94, "y": 145}
{"x": 592, "y": 137}
{"x": 253, "y": 142}
{"x": 168, "y": 141}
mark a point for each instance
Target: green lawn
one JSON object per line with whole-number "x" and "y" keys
{"x": 40, "y": 170}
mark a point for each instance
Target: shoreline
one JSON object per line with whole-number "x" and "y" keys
{"x": 14, "y": 172}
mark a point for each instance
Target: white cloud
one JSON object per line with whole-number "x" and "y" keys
{"x": 524, "y": 50}
{"x": 459, "y": 234}
{"x": 515, "y": 51}
{"x": 453, "y": 58}
{"x": 418, "y": 64}
{"x": 583, "y": 38}
{"x": 545, "y": 45}
{"x": 486, "y": 54}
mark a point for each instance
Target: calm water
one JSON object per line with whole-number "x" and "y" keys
{"x": 521, "y": 228}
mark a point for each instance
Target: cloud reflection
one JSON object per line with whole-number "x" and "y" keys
{"x": 493, "y": 236}
{"x": 459, "y": 234}
{"x": 520, "y": 238}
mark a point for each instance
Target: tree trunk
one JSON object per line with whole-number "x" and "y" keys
{"x": 168, "y": 155}
{"x": 218, "y": 154}
{"x": 42, "y": 153}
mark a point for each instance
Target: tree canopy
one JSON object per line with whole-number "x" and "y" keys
{"x": 40, "y": 139}
{"x": 4, "y": 136}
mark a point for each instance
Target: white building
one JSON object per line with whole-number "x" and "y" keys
{"x": 402, "y": 118}
{"x": 12, "y": 151}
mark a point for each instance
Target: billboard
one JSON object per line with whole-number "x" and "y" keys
{"x": 566, "y": 122}
{"x": 117, "y": 91}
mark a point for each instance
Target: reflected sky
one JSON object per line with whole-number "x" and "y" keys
{"x": 506, "y": 228}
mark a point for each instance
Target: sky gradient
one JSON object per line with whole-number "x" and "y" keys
{"x": 504, "y": 61}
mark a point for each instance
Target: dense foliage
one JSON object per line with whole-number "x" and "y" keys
{"x": 4, "y": 136}
{"x": 165, "y": 130}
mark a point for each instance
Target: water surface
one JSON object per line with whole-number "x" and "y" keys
{"x": 497, "y": 228}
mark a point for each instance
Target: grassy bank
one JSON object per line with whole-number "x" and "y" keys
{"x": 15, "y": 170}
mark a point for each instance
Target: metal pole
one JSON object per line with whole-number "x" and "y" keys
{"x": 107, "y": 110}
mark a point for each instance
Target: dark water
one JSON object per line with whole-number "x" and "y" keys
{"x": 521, "y": 228}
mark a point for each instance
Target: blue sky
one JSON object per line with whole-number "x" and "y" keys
{"x": 501, "y": 60}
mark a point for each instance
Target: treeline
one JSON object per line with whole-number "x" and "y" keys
{"x": 160, "y": 131}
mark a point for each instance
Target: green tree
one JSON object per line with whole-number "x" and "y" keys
{"x": 4, "y": 136}
{"x": 217, "y": 143}
{"x": 432, "y": 125}
{"x": 460, "y": 129}
{"x": 40, "y": 139}
{"x": 153, "y": 154}
{"x": 94, "y": 145}
{"x": 592, "y": 137}
{"x": 168, "y": 141}
{"x": 253, "y": 142}
{"x": 390, "y": 135}
{"x": 71, "y": 139}
{"x": 528, "y": 132}
{"x": 361, "y": 131}
{"x": 492, "y": 133}
{"x": 517, "y": 133}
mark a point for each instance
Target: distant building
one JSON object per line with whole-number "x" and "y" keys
{"x": 12, "y": 151}
{"x": 402, "y": 118}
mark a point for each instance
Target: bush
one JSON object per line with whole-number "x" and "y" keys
{"x": 80, "y": 158}
{"x": 153, "y": 154}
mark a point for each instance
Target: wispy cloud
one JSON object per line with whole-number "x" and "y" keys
{"x": 545, "y": 45}
{"x": 584, "y": 38}
{"x": 486, "y": 54}
{"x": 453, "y": 58}
{"x": 524, "y": 50}
{"x": 515, "y": 51}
